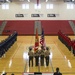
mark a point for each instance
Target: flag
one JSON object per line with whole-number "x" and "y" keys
{"x": 42, "y": 40}
{"x": 36, "y": 41}
{"x": 37, "y": 2}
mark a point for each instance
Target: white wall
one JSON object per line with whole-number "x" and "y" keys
{"x": 59, "y": 8}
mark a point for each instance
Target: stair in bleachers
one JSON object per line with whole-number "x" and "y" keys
{"x": 2, "y": 27}
{"x": 72, "y": 26}
{"x": 38, "y": 26}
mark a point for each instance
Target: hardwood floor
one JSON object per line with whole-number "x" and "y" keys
{"x": 15, "y": 59}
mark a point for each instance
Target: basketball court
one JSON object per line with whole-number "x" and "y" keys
{"x": 16, "y": 58}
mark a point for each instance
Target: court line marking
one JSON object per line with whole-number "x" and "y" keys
{"x": 59, "y": 49}
{"x": 63, "y": 55}
{"x": 16, "y": 51}
{"x": 26, "y": 64}
{"x": 10, "y": 58}
{"x": 51, "y": 65}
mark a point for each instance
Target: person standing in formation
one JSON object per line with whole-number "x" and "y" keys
{"x": 36, "y": 55}
{"x": 31, "y": 54}
{"x": 42, "y": 56}
{"x": 47, "y": 53}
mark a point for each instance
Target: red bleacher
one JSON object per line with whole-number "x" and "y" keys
{"x": 23, "y": 27}
{"x": 53, "y": 26}
{"x": 73, "y": 21}
{"x": 1, "y": 22}
{"x": 26, "y": 27}
{"x": 70, "y": 44}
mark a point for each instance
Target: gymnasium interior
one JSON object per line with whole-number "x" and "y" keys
{"x": 19, "y": 20}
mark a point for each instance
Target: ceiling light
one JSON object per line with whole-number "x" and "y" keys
{"x": 46, "y": 0}
{"x": 28, "y": 0}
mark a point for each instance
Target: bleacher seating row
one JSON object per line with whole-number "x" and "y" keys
{"x": 70, "y": 44}
{"x": 26, "y": 27}
{"x": 51, "y": 27}
{"x": 7, "y": 43}
{"x": 23, "y": 27}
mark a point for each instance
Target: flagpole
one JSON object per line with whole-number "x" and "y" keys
{"x": 42, "y": 40}
{"x": 36, "y": 41}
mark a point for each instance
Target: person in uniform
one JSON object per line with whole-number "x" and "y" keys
{"x": 36, "y": 55}
{"x": 42, "y": 56}
{"x": 74, "y": 49}
{"x": 31, "y": 54}
{"x": 47, "y": 53}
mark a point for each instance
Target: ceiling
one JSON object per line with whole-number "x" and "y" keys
{"x": 4, "y": 1}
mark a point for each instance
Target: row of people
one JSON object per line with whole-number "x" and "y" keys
{"x": 65, "y": 39}
{"x": 7, "y": 43}
{"x": 39, "y": 54}
{"x": 73, "y": 47}
{"x": 70, "y": 44}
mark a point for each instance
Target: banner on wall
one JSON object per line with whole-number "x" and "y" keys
{"x": 36, "y": 15}
{"x": 19, "y": 15}
{"x": 52, "y": 15}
